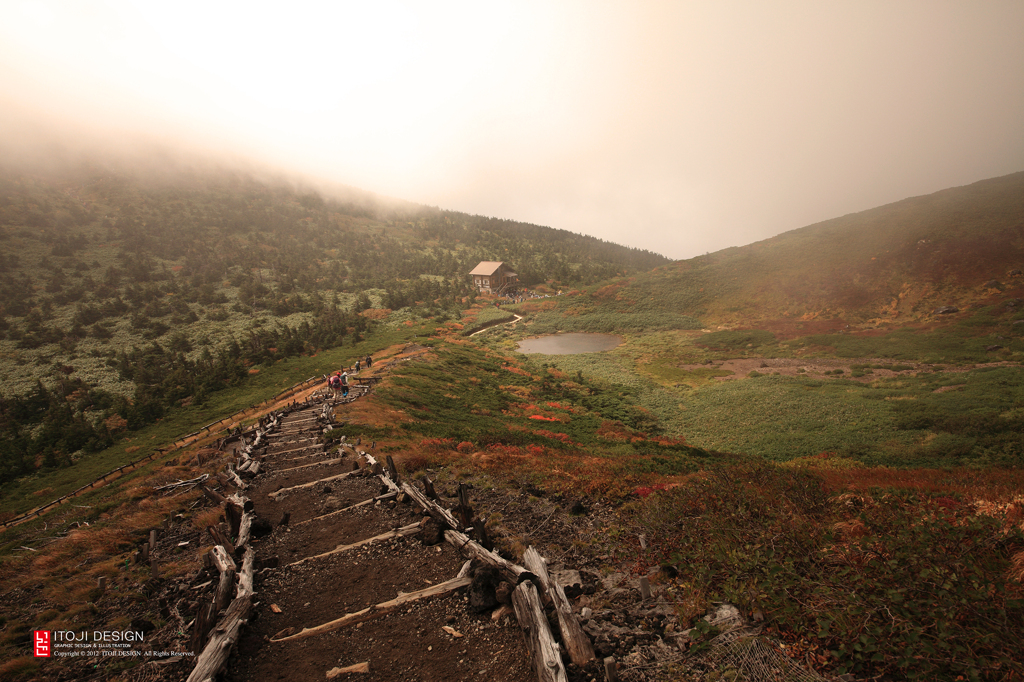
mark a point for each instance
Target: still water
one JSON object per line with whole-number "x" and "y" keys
{"x": 570, "y": 344}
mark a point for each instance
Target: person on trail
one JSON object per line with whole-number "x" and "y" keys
{"x": 344, "y": 390}
{"x": 369, "y": 361}
{"x": 344, "y": 381}
{"x": 357, "y": 366}
{"x": 336, "y": 382}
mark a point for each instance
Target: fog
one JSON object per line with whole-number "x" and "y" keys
{"x": 679, "y": 127}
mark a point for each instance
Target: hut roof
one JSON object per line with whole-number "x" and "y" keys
{"x": 487, "y": 268}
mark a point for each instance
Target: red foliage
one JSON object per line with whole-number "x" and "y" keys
{"x": 644, "y": 491}
{"x": 437, "y": 444}
{"x": 557, "y": 436}
{"x": 543, "y": 418}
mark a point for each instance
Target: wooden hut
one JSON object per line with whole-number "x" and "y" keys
{"x": 494, "y": 277}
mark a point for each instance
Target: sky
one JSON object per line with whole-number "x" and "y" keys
{"x": 679, "y": 127}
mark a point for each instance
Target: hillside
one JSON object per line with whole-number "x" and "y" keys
{"x": 889, "y": 265}
{"x": 856, "y": 495}
{"x": 129, "y": 291}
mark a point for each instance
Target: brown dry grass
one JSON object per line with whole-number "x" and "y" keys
{"x": 1016, "y": 570}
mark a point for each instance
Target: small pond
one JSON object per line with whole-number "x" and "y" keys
{"x": 569, "y": 344}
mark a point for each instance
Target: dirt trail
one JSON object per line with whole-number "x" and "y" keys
{"x": 433, "y": 639}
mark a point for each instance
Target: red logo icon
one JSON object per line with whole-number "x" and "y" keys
{"x": 41, "y": 643}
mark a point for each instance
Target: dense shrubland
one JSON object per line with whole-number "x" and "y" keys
{"x": 147, "y": 293}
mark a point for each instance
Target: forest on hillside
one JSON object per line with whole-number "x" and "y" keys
{"x": 125, "y": 293}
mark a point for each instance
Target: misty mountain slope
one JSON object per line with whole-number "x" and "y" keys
{"x": 126, "y": 291}
{"x": 892, "y": 263}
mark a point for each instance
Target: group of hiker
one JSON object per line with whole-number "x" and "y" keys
{"x": 339, "y": 380}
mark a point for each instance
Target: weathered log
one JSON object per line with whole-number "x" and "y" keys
{"x": 544, "y": 650}
{"x": 239, "y": 483}
{"x": 378, "y": 609}
{"x": 180, "y": 484}
{"x": 480, "y": 534}
{"x": 363, "y": 667}
{"x": 411, "y": 529}
{"x": 243, "y": 503}
{"x": 645, "y": 588}
{"x": 244, "y": 529}
{"x": 428, "y": 488}
{"x": 392, "y": 469}
{"x": 463, "y": 511}
{"x": 225, "y": 588}
{"x": 222, "y": 559}
{"x": 219, "y": 538}
{"x": 274, "y": 495}
{"x": 214, "y": 496}
{"x": 611, "y": 669}
{"x": 204, "y": 621}
{"x": 233, "y": 514}
{"x": 510, "y": 572}
{"x": 435, "y": 510}
{"x": 245, "y": 578}
{"x": 378, "y": 471}
{"x": 385, "y": 496}
{"x": 324, "y": 462}
{"x": 224, "y": 637}
{"x": 581, "y": 651}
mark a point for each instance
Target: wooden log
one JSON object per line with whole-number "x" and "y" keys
{"x": 244, "y": 529}
{"x": 222, "y": 559}
{"x": 547, "y": 663}
{"x": 480, "y": 534}
{"x": 233, "y": 514}
{"x": 214, "y": 496}
{"x": 243, "y": 503}
{"x": 378, "y": 609}
{"x": 428, "y": 488}
{"x": 463, "y": 511}
{"x": 392, "y": 469}
{"x": 325, "y": 462}
{"x": 581, "y": 651}
{"x": 102, "y": 584}
{"x": 152, "y": 540}
{"x": 357, "y": 668}
{"x": 239, "y": 483}
{"x": 411, "y": 529}
{"x": 611, "y": 669}
{"x": 219, "y": 538}
{"x": 435, "y": 510}
{"x": 245, "y": 578}
{"x": 385, "y": 496}
{"x": 225, "y": 588}
{"x": 645, "y": 588}
{"x": 510, "y": 572}
{"x": 303, "y": 486}
{"x": 378, "y": 471}
{"x": 222, "y": 640}
{"x": 204, "y": 622}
